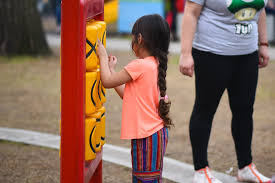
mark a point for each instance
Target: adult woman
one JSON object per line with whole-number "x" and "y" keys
{"x": 225, "y": 55}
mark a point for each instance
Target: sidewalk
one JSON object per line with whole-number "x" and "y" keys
{"x": 120, "y": 44}
{"x": 173, "y": 170}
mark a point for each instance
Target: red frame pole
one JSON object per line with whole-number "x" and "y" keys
{"x": 74, "y": 14}
{"x": 72, "y": 91}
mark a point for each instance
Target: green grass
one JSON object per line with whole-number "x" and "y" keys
{"x": 173, "y": 59}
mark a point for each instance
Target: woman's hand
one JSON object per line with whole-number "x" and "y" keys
{"x": 101, "y": 51}
{"x": 112, "y": 63}
{"x": 263, "y": 56}
{"x": 263, "y": 49}
{"x": 186, "y": 65}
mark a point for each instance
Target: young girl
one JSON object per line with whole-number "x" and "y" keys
{"x": 142, "y": 86}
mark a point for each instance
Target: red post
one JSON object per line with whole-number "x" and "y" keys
{"x": 72, "y": 91}
{"x": 73, "y": 37}
{"x": 97, "y": 177}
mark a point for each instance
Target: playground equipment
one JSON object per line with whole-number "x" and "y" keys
{"x": 111, "y": 11}
{"x": 82, "y": 93}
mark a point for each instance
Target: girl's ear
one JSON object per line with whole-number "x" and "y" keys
{"x": 140, "y": 39}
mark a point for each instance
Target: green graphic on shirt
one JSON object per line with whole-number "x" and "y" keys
{"x": 245, "y": 9}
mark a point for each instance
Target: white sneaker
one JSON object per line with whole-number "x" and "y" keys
{"x": 251, "y": 174}
{"x": 204, "y": 176}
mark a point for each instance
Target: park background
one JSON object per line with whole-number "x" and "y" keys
{"x": 30, "y": 99}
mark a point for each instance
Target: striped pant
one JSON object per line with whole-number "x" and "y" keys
{"x": 147, "y": 157}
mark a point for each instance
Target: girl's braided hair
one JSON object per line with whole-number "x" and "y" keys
{"x": 155, "y": 32}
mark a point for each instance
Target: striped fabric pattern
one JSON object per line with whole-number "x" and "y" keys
{"x": 147, "y": 157}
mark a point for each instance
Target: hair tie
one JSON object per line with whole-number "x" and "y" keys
{"x": 164, "y": 98}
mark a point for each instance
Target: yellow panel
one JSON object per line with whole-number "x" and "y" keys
{"x": 92, "y": 97}
{"x": 102, "y": 110}
{"x": 97, "y": 117}
{"x": 98, "y": 94}
{"x": 102, "y": 33}
{"x": 101, "y": 129}
{"x": 91, "y": 38}
{"x": 103, "y": 94}
{"x": 98, "y": 132}
{"x": 90, "y": 133}
{"x": 101, "y": 90}
{"x": 95, "y": 93}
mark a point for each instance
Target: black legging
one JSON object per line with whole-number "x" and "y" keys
{"x": 214, "y": 74}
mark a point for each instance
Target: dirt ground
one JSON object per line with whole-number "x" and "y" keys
{"x": 30, "y": 99}
{"x": 30, "y": 164}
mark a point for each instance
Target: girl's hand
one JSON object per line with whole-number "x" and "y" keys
{"x": 101, "y": 51}
{"x": 186, "y": 65}
{"x": 263, "y": 56}
{"x": 112, "y": 63}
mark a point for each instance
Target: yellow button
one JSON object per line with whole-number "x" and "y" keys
{"x": 102, "y": 125}
{"x": 92, "y": 61}
{"x": 102, "y": 31}
{"x": 90, "y": 143}
{"x": 97, "y": 117}
{"x": 101, "y": 90}
{"x": 102, "y": 130}
{"x": 92, "y": 97}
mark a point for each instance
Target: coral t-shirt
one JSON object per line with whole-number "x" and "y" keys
{"x": 140, "y": 116}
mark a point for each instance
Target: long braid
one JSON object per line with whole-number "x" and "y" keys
{"x": 164, "y": 106}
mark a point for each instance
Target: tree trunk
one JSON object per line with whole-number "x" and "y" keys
{"x": 21, "y": 29}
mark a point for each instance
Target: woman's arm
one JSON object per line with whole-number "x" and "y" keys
{"x": 263, "y": 49}
{"x": 108, "y": 79}
{"x": 189, "y": 24}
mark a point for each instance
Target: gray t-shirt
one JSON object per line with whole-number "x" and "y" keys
{"x": 228, "y": 27}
